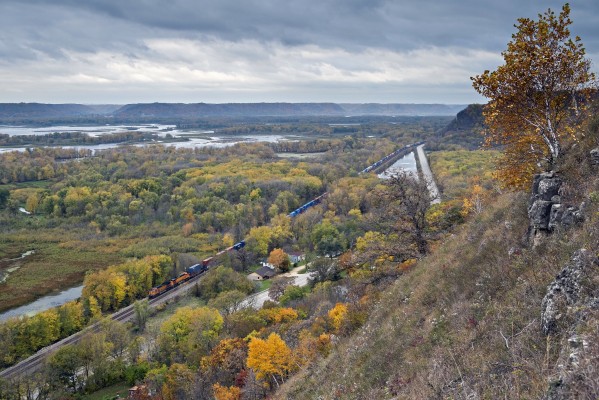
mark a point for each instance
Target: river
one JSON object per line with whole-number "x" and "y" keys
{"x": 44, "y": 303}
{"x": 207, "y": 137}
{"x": 406, "y": 163}
{"x": 11, "y": 265}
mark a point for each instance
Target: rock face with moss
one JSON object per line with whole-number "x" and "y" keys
{"x": 546, "y": 210}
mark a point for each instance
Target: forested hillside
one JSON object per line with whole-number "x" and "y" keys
{"x": 37, "y": 113}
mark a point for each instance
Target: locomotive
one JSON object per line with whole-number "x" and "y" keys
{"x": 190, "y": 272}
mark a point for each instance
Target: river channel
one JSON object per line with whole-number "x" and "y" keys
{"x": 406, "y": 163}
{"x": 194, "y": 137}
{"x": 8, "y": 266}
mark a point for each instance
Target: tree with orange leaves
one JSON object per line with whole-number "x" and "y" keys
{"x": 537, "y": 97}
{"x": 226, "y": 393}
{"x": 279, "y": 259}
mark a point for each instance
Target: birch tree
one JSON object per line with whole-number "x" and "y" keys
{"x": 538, "y": 97}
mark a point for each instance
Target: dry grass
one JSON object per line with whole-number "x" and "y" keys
{"x": 463, "y": 324}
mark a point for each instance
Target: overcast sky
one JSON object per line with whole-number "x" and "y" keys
{"x": 215, "y": 51}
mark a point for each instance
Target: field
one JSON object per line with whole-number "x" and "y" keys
{"x": 118, "y": 391}
{"x": 54, "y": 266}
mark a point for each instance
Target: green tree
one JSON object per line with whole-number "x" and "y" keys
{"x": 293, "y": 293}
{"x": 63, "y": 367}
{"x": 259, "y": 239}
{"x": 327, "y": 239}
{"x": 222, "y": 279}
{"x": 142, "y": 312}
{"x": 4, "y": 195}
{"x": 71, "y": 318}
{"x": 189, "y": 333}
{"x": 228, "y": 302}
{"x": 534, "y": 98}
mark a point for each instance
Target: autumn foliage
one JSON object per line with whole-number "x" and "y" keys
{"x": 271, "y": 359}
{"x": 538, "y": 97}
{"x": 279, "y": 259}
{"x": 226, "y": 393}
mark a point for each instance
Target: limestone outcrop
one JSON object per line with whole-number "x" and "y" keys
{"x": 546, "y": 210}
{"x": 572, "y": 302}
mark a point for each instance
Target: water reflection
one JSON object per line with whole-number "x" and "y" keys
{"x": 199, "y": 137}
{"x": 406, "y": 163}
{"x": 44, "y": 303}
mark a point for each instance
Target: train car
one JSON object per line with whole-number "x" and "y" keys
{"x": 206, "y": 261}
{"x": 239, "y": 245}
{"x": 309, "y": 204}
{"x": 195, "y": 269}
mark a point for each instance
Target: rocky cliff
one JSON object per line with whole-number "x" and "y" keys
{"x": 546, "y": 210}
{"x": 570, "y": 307}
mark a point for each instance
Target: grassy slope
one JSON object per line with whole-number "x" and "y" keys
{"x": 466, "y": 320}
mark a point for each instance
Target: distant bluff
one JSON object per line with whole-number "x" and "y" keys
{"x": 38, "y": 112}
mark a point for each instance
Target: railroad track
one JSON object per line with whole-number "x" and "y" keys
{"x": 36, "y": 361}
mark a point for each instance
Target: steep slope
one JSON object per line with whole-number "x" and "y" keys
{"x": 466, "y": 322}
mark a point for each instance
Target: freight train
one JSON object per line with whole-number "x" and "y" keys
{"x": 309, "y": 204}
{"x": 190, "y": 272}
{"x": 197, "y": 269}
{"x": 203, "y": 266}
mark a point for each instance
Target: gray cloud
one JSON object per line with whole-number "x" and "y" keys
{"x": 205, "y": 49}
{"x": 346, "y": 23}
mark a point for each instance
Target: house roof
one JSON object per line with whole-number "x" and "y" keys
{"x": 254, "y": 277}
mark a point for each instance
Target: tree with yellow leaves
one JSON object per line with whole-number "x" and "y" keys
{"x": 538, "y": 96}
{"x": 337, "y": 315}
{"x": 271, "y": 359}
{"x": 474, "y": 203}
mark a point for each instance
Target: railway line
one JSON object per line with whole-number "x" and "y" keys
{"x": 36, "y": 361}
